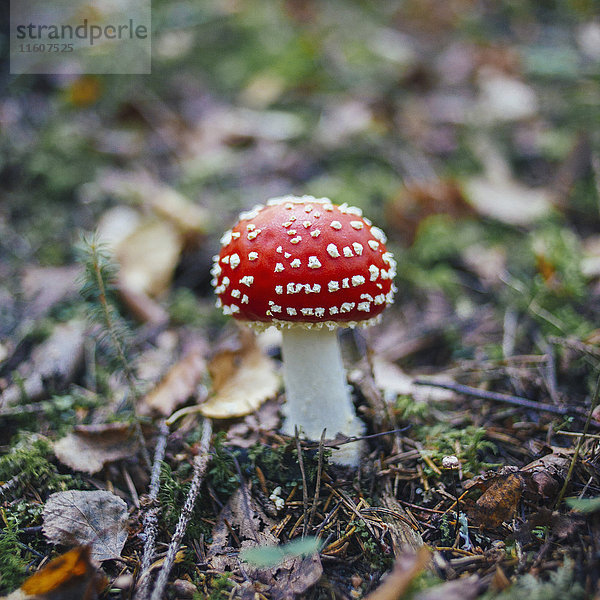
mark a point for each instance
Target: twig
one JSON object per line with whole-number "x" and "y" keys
{"x": 304, "y": 489}
{"x": 313, "y": 508}
{"x": 151, "y": 516}
{"x": 580, "y": 441}
{"x": 506, "y": 398}
{"x": 200, "y": 464}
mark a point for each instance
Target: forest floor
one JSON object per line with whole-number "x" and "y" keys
{"x": 139, "y": 427}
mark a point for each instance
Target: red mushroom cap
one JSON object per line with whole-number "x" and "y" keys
{"x": 304, "y": 261}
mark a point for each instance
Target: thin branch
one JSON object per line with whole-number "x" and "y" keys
{"x": 505, "y": 398}
{"x": 200, "y": 465}
{"x": 313, "y": 508}
{"x": 151, "y": 516}
{"x": 304, "y": 488}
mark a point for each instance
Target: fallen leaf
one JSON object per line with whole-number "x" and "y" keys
{"x": 70, "y": 576}
{"x": 507, "y": 201}
{"x": 52, "y": 364}
{"x": 504, "y": 98}
{"x": 176, "y": 386}
{"x": 393, "y": 382}
{"x": 407, "y": 567}
{"x": 97, "y": 518}
{"x": 44, "y": 287}
{"x": 242, "y": 380}
{"x": 148, "y": 257}
{"x": 499, "y": 501}
{"x": 89, "y": 447}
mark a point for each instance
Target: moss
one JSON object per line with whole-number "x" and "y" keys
{"x": 13, "y": 563}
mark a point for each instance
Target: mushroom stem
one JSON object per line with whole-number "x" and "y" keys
{"x": 317, "y": 395}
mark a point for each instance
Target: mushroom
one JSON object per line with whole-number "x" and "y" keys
{"x": 308, "y": 266}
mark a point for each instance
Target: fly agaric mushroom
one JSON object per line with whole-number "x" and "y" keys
{"x": 308, "y": 266}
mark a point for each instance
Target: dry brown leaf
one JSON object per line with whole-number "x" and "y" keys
{"x": 52, "y": 364}
{"x": 507, "y": 200}
{"x": 176, "y": 386}
{"x": 97, "y": 518}
{"x": 499, "y": 501}
{"x": 70, "y": 576}
{"x": 242, "y": 380}
{"x": 44, "y": 287}
{"x": 406, "y": 568}
{"x": 89, "y": 447}
{"x": 148, "y": 257}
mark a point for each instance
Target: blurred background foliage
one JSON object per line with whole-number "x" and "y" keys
{"x": 466, "y": 128}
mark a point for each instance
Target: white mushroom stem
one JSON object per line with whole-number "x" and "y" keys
{"x": 317, "y": 395}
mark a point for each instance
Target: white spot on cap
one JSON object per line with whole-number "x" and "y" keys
{"x": 247, "y": 280}
{"x": 296, "y": 240}
{"x": 279, "y": 289}
{"x": 316, "y": 288}
{"x": 345, "y": 282}
{"x": 319, "y": 312}
{"x": 307, "y": 311}
{"x": 347, "y": 252}
{"x": 374, "y": 271}
{"x": 351, "y": 210}
{"x": 275, "y": 308}
{"x": 333, "y": 286}
{"x": 316, "y": 214}
{"x": 226, "y": 238}
{"x": 252, "y": 235}
{"x": 306, "y": 224}
{"x": 291, "y": 311}
{"x": 216, "y": 270}
{"x": 357, "y": 248}
{"x": 315, "y": 233}
{"x": 225, "y": 281}
{"x": 380, "y": 299}
{"x": 328, "y": 207}
{"x": 279, "y": 249}
{"x": 347, "y": 306}
{"x": 357, "y": 280}
{"x": 278, "y": 267}
{"x": 234, "y": 309}
{"x": 235, "y": 293}
{"x": 313, "y": 262}
{"x": 291, "y": 288}
{"x": 295, "y": 264}
{"x": 333, "y": 251}
{"x": 250, "y": 214}
{"x": 373, "y": 244}
{"x": 335, "y": 225}
{"x": 308, "y": 208}
{"x": 253, "y": 256}
{"x": 244, "y": 299}
{"x": 378, "y": 234}
{"x": 366, "y": 297}
{"x": 218, "y": 303}
{"x": 225, "y": 260}
{"x": 236, "y": 235}
{"x": 251, "y": 227}
{"x": 364, "y": 306}
{"x": 334, "y": 310}
{"x": 286, "y": 254}
{"x": 287, "y": 224}
{"x": 357, "y": 225}
{"x": 291, "y": 232}
{"x": 234, "y": 261}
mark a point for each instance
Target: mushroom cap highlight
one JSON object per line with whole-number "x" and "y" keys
{"x": 303, "y": 261}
